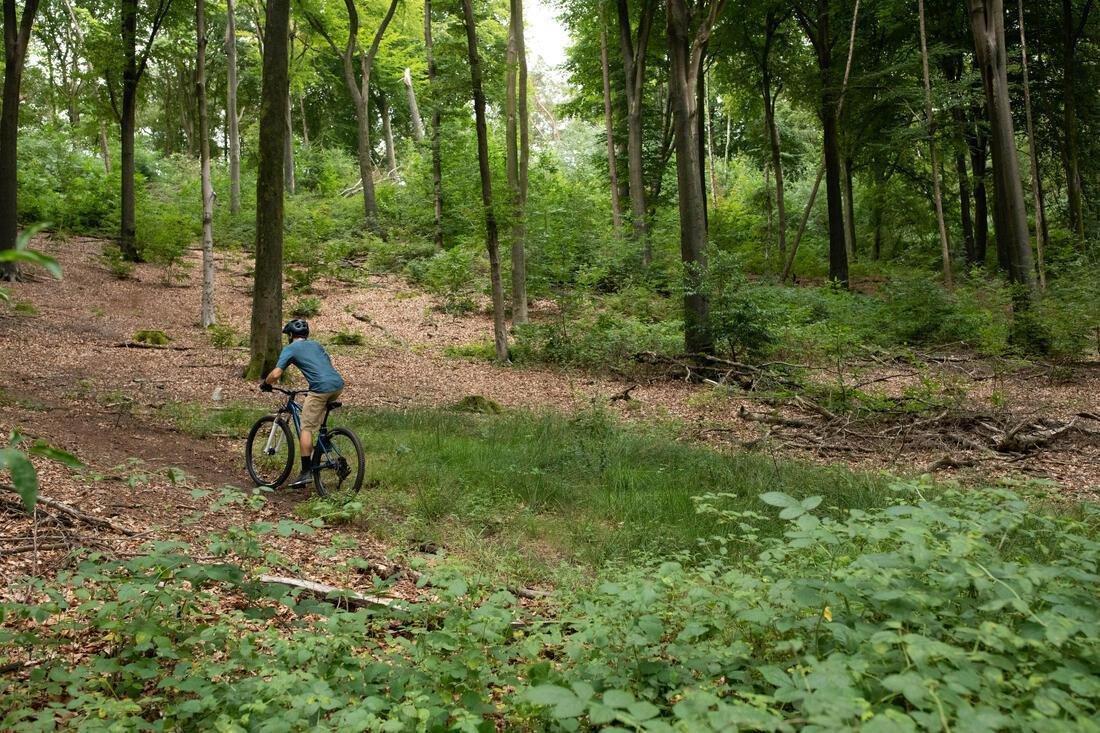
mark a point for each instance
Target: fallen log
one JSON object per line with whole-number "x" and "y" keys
{"x": 773, "y": 419}
{"x": 75, "y": 513}
{"x": 337, "y": 596}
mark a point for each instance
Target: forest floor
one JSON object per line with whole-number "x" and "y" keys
{"x": 72, "y": 377}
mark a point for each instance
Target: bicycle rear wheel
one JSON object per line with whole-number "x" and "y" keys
{"x": 339, "y": 463}
{"x": 269, "y": 452}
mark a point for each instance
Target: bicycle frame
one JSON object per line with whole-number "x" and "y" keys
{"x": 321, "y": 445}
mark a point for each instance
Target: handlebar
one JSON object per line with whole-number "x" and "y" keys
{"x": 289, "y": 392}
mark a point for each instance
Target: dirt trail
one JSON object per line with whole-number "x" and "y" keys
{"x": 68, "y": 378}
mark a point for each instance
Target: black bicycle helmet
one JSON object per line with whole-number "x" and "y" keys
{"x": 296, "y": 329}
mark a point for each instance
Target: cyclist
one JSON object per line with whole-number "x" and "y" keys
{"x": 325, "y": 385}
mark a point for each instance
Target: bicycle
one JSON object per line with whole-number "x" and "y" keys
{"x": 269, "y": 452}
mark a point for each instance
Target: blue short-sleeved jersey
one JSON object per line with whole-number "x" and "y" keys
{"x": 310, "y": 357}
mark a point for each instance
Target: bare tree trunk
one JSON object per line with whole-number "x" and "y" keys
{"x": 710, "y": 143}
{"x": 267, "y": 291}
{"x": 437, "y": 158}
{"x": 789, "y": 266}
{"x": 500, "y": 334}
{"x": 104, "y": 148}
{"x": 634, "y": 62}
{"x": 288, "y": 149}
{"x": 359, "y": 89}
{"x": 945, "y": 246}
{"x": 849, "y": 210}
{"x": 966, "y": 218}
{"x": 1070, "y": 37}
{"x": 302, "y": 115}
{"x": 1010, "y": 213}
{"x": 207, "y": 316}
{"x": 387, "y": 133}
{"x": 232, "y": 118}
{"x": 978, "y": 145}
{"x": 777, "y": 160}
{"x": 689, "y": 28}
{"x": 1033, "y": 154}
{"x": 16, "y": 40}
{"x": 414, "y": 108}
{"x": 609, "y": 129}
{"x": 515, "y": 107}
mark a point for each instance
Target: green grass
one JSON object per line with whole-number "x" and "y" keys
{"x": 522, "y": 493}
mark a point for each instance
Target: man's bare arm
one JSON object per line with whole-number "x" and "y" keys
{"x": 274, "y": 376}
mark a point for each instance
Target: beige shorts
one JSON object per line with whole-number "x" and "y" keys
{"x": 313, "y": 409}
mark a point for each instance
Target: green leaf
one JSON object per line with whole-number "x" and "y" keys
{"x": 792, "y": 512}
{"x": 643, "y": 710}
{"x": 45, "y": 450}
{"x": 778, "y": 498}
{"x": 564, "y": 702}
{"x": 811, "y": 502}
{"x": 23, "y": 476}
{"x": 909, "y": 684}
{"x": 618, "y": 698}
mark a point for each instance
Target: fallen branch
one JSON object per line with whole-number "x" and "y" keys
{"x": 75, "y": 513}
{"x": 623, "y": 396}
{"x": 950, "y": 462}
{"x": 42, "y": 547}
{"x": 772, "y": 419}
{"x": 331, "y": 594}
{"x": 155, "y": 347}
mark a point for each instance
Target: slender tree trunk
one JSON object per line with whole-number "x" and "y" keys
{"x": 710, "y": 144}
{"x": 1069, "y": 122}
{"x": 387, "y": 133}
{"x": 876, "y": 216}
{"x": 1010, "y": 213}
{"x": 687, "y": 40}
{"x": 517, "y": 155}
{"x": 16, "y": 40}
{"x": 232, "y": 118}
{"x": 978, "y": 145}
{"x": 966, "y": 218}
{"x": 788, "y": 268}
{"x": 849, "y": 211}
{"x": 500, "y": 335}
{"x": 1033, "y": 154}
{"x": 288, "y": 149}
{"x": 128, "y": 227}
{"x": 945, "y": 246}
{"x": 302, "y": 116}
{"x": 634, "y": 61}
{"x": 267, "y": 292}
{"x": 104, "y": 148}
{"x": 437, "y": 158}
{"x": 207, "y": 316}
{"x": 414, "y": 108}
{"x": 609, "y": 130}
{"x": 777, "y": 161}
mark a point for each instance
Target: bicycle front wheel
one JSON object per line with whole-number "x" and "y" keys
{"x": 340, "y": 463}
{"x": 269, "y": 452}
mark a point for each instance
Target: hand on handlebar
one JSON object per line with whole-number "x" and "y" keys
{"x": 265, "y": 387}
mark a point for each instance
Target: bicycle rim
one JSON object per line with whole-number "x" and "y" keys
{"x": 270, "y": 452}
{"x": 341, "y": 464}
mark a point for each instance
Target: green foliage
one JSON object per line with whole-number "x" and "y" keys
{"x": 116, "y": 263}
{"x": 306, "y": 307}
{"x": 347, "y": 338}
{"x": 22, "y": 254}
{"x": 64, "y": 184}
{"x": 152, "y": 337}
{"x": 973, "y": 611}
{"x": 223, "y": 336}
{"x": 451, "y": 275}
{"x": 477, "y": 403}
{"x": 232, "y": 420}
{"x": 15, "y": 461}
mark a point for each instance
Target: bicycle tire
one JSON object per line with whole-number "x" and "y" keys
{"x": 322, "y": 479}
{"x": 261, "y": 429}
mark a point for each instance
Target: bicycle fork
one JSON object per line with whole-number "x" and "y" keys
{"x": 274, "y": 438}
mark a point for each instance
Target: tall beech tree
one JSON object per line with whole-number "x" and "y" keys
{"x": 937, "y": 195}
{"x": 358, "y": 87}
{"x": 135, "y": 64}
{"x": 232, "y": 118}
{"x": 634, "y": 47}
{"x": 987, "y": 24}
{"x": 17, "y": 35}
{"x": 500, "y": 334}
{"x": 207, "y": 316}
{"x": 1075, "y": 16}
{"x": 517, "y": 155}
{"x": 267, "y": 291}
{"x": 609, "y": 130}
{"x": 437, "y": 156}
{"x": 689, "y": 27}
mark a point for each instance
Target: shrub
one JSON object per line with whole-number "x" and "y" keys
{"x": 152, "y": 337}
{"x": 223, "y": 336}
{"x": 347, "y": 338}
{"x": 306, "y": 307}
{"x": 116, "y": 263}
{"x": 449, "y": 275}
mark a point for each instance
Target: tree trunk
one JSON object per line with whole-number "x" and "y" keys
{"x": 500, "y": 335}
{"x": 710, "y": 144}
{"x": 609, "y": 130}
{"x": 517, "y": 154}
{"x": 207, "y": 316}
{"x": 634, "y": 61}
{"x": 945, "y": 247}
{"x": 302, "y": 116}
{"x": 414, "y": 108}
{"x": 267, "y": 292}
{"x": 1033, "y": 154}
{"x": 387, "y": 133}
{"x": 288, "y": 149}
{"x": 1010, "y": 213}
{"x": 104, "y": 148}
{"x": 1069, "y": 121}
{"x": 16, "y": 39}
{"x": 687, "y": 39}
{"x": 978, "y": 145}
{"x": 777, "y": 161}
{"x": 850, "y": 241}
{"x": 232, "y": 119}
{"x": 128, "y": 218}
{"x": 437, "y": 158}
{"x": 966, "y": 218}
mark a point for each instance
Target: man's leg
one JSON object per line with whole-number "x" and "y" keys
{"x": 312, "y": 414}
